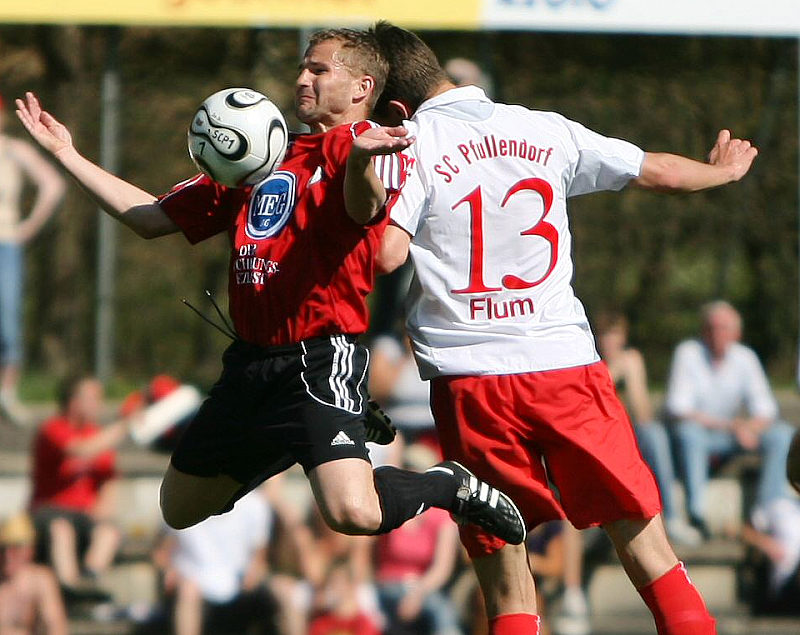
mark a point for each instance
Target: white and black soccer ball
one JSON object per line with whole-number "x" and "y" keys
{"x": 237, "y": 137}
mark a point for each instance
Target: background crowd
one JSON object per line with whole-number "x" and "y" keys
{"x": 272, "y": 566}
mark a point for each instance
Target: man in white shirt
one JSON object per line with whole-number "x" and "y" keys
{"x": 218, "y": 566}
{"x": 721, "y": 398}
{"x": 495, "y": 324}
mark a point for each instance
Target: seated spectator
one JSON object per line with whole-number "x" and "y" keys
{"x": 629, "y": 374}
{"x": 306, "y": 551}
{"x": 546, "y": 554}
{"x": 413, "y": 563}
{"x": 216, "y": 571}
{"x": 719, "y": 395}
{"x": 162, "y": 410}
{"x": 339, "y": 610}
{"x": 30, "y": 601}
{"x": 394, "y": 382}
{"x": 774, "y": 532}
{"x": 73, "y": 499}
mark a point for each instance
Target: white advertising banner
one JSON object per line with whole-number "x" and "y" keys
{"x": 722, "y": 17}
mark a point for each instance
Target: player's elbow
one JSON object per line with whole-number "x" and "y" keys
{"x": 387, "y": 261}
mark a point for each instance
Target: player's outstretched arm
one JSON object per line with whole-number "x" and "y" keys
{"x": 122, "y": 200}
{"x": 364, "y": 194}
{"x": 729, "y": 160}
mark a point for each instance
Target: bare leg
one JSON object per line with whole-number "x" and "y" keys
{"x": 64, "y": 551}
{"x": 188, "y": 617}
{"x": 643, "y": 549}
{"x": 573, "y": 556}
{"x": 187, "y": 500}
{"x": 676, "y": 604}
{"x": 103, "y": 547}
{"x": 345, "y": 493}
{"x": 506, "y": 581}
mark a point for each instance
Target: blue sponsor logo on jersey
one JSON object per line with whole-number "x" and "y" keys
{"x": 271, "y": 205}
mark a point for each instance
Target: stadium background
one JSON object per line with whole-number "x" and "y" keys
{"x": 665, "y": 77}
{"x": 656, "y": 258}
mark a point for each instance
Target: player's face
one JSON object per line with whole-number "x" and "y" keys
{"x": 327, "y": 93}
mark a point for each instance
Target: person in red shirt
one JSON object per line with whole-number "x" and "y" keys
{"x": 293, "y": 385}
{"x": 73, "y": 483}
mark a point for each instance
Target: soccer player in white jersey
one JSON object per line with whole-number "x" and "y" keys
{"x": 516, "y": 380}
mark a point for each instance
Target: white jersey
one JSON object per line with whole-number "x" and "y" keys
{"x": 485, "y": 204}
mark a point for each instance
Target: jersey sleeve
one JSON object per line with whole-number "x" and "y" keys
{"x": 389, "y": 168}
{"x": 758, "y": 397}
{"x": 406, "y": 209}
{"x": 681, "y": 394}
{"x": 201, "y": 208}
{"x": 602, "y": 163}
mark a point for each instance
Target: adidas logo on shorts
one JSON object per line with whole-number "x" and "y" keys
{"x": 342, "y": 439}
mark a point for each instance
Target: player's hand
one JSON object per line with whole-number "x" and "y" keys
{"x": 736, "y": 154}
{"x": 381, "y": 140}
{"x": 45, "y": 129}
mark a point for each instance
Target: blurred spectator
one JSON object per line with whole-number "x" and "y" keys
{"x": 463, "y": 72}
{"x": 546, "y": 553}
{"x": 74, "y": 496}
{"x": 394, "y": 382}
{"x": 305, "y": 553}
{"x": 567, "y": 546}
{"x": 30, "y": 601}
{"x": 340, "y": 612}
{"x": 18, "y": 162}
{"x": 413, "y": 563}
{"x": 163, "y": 409}
{"x": 629, "y": 374}
{"x": 720, "y": 396}
{"x": 774, "y": 531}
{"x": 216, "y": 571}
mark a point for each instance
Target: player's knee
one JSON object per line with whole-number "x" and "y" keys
{"x": 354, "y": 517}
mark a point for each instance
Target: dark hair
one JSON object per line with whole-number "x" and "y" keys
{"x": 606, "y": 321}
{"x": 414, "y": 70}
{"x": 360, "y": 53}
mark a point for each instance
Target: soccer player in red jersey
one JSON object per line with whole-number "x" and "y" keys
{"x": 518, "y": 391}
{"x": 293, "y": 386}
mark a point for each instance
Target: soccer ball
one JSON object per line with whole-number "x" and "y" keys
{"x": 237, "y": 137}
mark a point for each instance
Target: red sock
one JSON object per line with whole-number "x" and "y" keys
{"x": 514, "y": 624}
{"x": 677, "y": 606}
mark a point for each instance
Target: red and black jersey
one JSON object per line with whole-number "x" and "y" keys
{"x": 300, "y": 267}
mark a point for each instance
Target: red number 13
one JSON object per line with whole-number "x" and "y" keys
{"x": 542, "y": 228}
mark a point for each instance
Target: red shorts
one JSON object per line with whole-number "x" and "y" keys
{"x": 565, "y": 426}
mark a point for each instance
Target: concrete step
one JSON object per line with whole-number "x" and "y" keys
{"x": 727, "y": 624}
{"x": 611, "y": 593}
{"x": 131, "y": 583}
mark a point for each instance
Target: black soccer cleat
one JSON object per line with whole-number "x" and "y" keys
{"x": 378, "y": 425}
{"x": 487, "y": 507}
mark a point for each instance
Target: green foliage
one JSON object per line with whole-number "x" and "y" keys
{"x": 655, "y": 257}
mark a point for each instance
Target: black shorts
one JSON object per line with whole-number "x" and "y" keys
{"x": 274, "y": 407}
